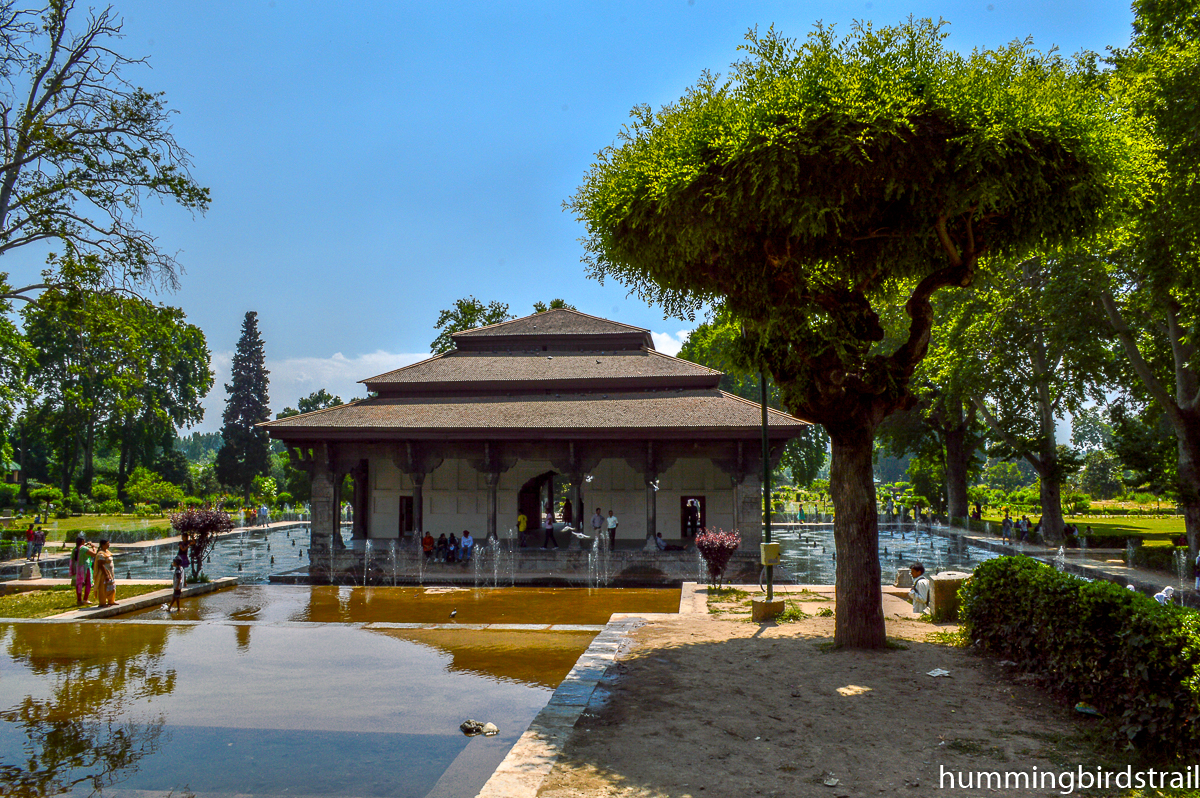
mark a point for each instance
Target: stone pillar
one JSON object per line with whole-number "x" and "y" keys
{"x": 749, "y": 512}
{"x": 359, "y": 529}
{"x": 324, "y": 518}
{"x": 493, "y": 489}
{"x": 418, "y": 481}
{"x": 651, "y": 510}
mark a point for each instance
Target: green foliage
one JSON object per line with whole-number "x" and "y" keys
{"x": 46, "y": 495}
{"x": 1075, "y": 502}
{"x": 1090, "y": 429}
{"x": 84, "y": 146}
{"x": 246, "y": 450}
{"x": 542, "y": 307}
{"x": 8, "y": 493}
{"x": 110, "y": 507}
{"x": 1136, "y": 660}
{"x": 715, "y": 344}
{"x": 318, "y": 400}
{"x": 103, "y": 493}
{"x": 146, "y": 487}
{"x": 1004, "y": 475}
{"x": 1101, "y": 475}
{"x": 466, "y": 314}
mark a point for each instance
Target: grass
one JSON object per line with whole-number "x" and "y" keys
{"x": 64, "y": 529}
{"x": 1128, "y": 525}
{"x": 60, "y": 598}
{"x": 954, "y": 638}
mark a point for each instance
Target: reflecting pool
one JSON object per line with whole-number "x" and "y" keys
{"x": 807, "y": 551}
{"x": 224, "y": 708}
{"x": 343, "y": 604}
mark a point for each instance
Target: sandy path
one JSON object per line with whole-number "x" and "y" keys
{"x": 717, "y": 706}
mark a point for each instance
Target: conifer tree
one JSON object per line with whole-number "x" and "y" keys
{"x": 245, "y": 449}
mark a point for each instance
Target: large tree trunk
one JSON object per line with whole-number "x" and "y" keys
{"x": 958, "y": 459}
{"x": 1051, "y": 495}
{"x": 1189, "y": 478}
{"x": 856, "y": 535}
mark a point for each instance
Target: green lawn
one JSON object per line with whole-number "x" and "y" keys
{"x": 61, "y": 598}
{"x": 1130, "y": 525}
{"x": 65, "y": 529}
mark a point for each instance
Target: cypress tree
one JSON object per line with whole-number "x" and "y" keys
{"x": 245, "y": 449}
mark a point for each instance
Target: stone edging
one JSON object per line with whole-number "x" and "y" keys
{"x": 143, "y": 601}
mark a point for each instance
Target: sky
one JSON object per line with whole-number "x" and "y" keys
{"x": 372, "y": 162}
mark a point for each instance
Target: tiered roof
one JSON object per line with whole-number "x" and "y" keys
{"x": 553, "y": 374}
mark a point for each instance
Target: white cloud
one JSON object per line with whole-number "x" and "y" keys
{"x": 670, "y": 344}
{"x": 297, "y": 377}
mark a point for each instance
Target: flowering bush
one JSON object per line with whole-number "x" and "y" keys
{"x": 717, "y": 546}
{"x": 202, "y": 526}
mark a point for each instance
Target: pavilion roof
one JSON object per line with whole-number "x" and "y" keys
{"x": 489, "y": 372}
{"x": 557, "y": 328}
{"x": 675, "y": 413}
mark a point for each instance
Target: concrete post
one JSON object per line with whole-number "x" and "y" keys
{"x": 493, "y": 485}
{"x": 324, "y": 518}
{"x": 418, "y": 481}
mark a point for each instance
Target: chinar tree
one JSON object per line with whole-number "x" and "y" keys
{"x": 827, "y": 179}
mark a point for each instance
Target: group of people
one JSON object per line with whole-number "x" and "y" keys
{"x": 600, "y": 524}
{"x": 1022, "y": 528}
{"x": 92, "y": 566}
{"x": 35, "y": 539}
{"x": 448, "y": 549}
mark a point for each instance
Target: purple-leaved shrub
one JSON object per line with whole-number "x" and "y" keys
{"x": 717, "y": 546}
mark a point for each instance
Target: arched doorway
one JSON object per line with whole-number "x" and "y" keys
{"x": 532, "y": 497}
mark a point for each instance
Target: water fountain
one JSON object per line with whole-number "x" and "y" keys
{"x": 1181, "y": 562}
{"x": 1129, "y": 547}
{"x": 366, "y": 560}
{"x": 1060, "y": 560}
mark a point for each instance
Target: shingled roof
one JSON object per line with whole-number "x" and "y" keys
{"x": 676, "y": 413}
{"x": 555, "y": 329}
{"x": 556, "y": 374}
{"x": 517, "y": 371}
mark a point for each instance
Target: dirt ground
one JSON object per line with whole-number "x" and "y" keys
{"x": 714, "y": 705}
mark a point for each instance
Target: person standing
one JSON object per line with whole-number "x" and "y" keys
{"x": 39, "y": 540}
{"x": 81, "y": 570}
{"x": 597, "y": 525}
{"x": 568, "y": 513}
{"x": 176, "y": 584}
{"x": 105, "y": 577}
{"x": 920, "y": 589}
{"x": 29, "y": 543}
{"x": 548, "y": 528}
{"x": 612, "y": 530}
{"x": 522, "y": 526}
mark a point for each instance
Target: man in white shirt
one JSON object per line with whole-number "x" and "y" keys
{"x": 612, "y": 530}
{"x": 920, "y": 589}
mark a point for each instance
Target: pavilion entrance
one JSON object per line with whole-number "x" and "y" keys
{"x": 532, "y": 498}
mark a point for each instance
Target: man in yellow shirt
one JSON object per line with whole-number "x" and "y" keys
{"x": 522, "y": 524}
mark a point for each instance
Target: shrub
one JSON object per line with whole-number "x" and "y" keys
{"x": 8, "y": 493}
{"x": 103, "y": 493}
{"x": 46, "y": 495}
{"x": 717, "y": 546}
{"x": 192, "y": 501}
{"x": 1136, "y": 660}
{"x": 202, "y": 527}
{"x": 110, "y": 507}
{"x": 282, "y": 499}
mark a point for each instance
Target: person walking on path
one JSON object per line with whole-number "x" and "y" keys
{"x": 81, "y": 570}
{"x": 105, "y": 577}
{"x": 39, "y": 541}
{"x": 612, "y": 530}
{"x": 568, "y": 514}
{"x": 176, "y": 584}
{"x": 548, "y": 528}
{"x": 29, "y": 543}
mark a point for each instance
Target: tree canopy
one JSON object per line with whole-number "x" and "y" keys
{"x": 829, "y": 177}
{"x": 246, "y": 450}
{"x": 81, "y": 147}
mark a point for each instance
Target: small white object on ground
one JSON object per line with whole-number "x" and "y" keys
{"x": 938, "y": 672}
{"x": 832, "y": 782}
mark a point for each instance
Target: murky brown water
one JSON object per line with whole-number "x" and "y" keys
{"x": 333, "y": 604}
{"x": 247, "y": 701}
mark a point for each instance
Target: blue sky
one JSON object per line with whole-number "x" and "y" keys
{"x": 371, "y": 162}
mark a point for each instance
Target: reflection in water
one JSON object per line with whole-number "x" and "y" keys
{"x": 334, "y": 604}
{"x": 265, "y": 708}
{"x": 541, "y": 659}
{"x": 80, "y": 730}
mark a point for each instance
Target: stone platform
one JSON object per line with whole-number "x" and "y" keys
{"x": 529, "y": 567}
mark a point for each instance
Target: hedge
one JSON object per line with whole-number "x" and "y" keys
{"x": 1121, "y": 651}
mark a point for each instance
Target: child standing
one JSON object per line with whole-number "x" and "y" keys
{"x": 176, "y": 584}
